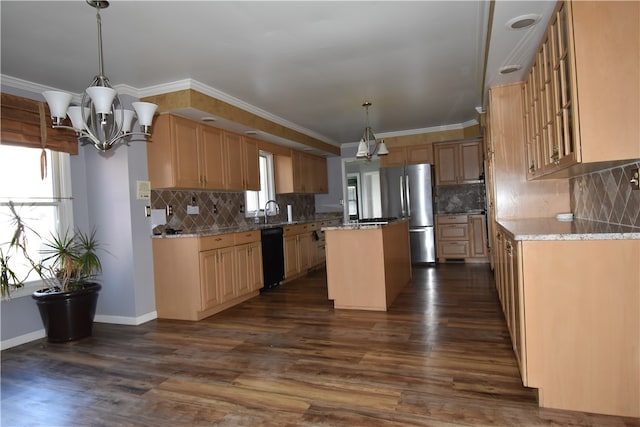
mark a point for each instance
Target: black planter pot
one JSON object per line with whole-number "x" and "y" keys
{"x": 68, "y": 316}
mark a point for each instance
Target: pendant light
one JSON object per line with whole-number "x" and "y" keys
{"x": 379, "y": 148}
{"x": 101, "y": 119}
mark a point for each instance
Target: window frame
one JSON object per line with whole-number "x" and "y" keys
{"x": 61, "y": 200}
{"x": 267, "y": 177}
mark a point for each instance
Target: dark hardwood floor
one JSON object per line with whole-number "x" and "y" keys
{"x": 441, "y": 356}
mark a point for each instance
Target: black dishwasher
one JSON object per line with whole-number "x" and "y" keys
{"x": 272, "y": 257}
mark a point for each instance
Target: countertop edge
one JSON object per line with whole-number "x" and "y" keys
{"x": 550, "y": 229}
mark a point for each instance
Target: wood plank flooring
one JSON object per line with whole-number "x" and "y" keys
{"x": 441, "y": 356}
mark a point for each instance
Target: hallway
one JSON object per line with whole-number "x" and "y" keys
{"x": 441, "y": 356}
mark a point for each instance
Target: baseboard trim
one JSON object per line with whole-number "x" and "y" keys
{"x": 22, "y": 339}
{"x": 123, "y": 320}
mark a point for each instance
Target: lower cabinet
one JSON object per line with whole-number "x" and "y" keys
{"x": 196, "y": 277}
{"x": 461, "y": 237}
{"x": 298, "y": 252}
{"x": 573, "y": 312}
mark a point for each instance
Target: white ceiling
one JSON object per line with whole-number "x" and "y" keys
{"x": 308, "y": 65}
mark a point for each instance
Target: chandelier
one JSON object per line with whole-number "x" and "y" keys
{"x": 100, "y": 119}
{"x": 364, "y": 147}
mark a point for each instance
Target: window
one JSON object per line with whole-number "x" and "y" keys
{"x": 44, "y": 205}
{"x": 255, "y": 200}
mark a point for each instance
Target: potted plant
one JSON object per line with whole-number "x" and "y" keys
{"x": 69, "y": 264}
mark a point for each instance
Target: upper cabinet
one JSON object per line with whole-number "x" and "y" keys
{"x": 459, "y": 162}
{"x": 183, "y": 153}
{"x": 300, "y": 173}
{"x": 572, "y": 123}
{"x": 408, "y": 155}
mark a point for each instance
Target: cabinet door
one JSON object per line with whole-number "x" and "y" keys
{"x": 255, "y": 266}
{"x": 304, "y": 244}
{"x": 290, "y": 256}
{"x": 184, "y": 134}
{"x": 446, "y": 156}
{"x": 453, "y": 249}
{"x": 212, "y": 162}
{"x": 453, "y": 232}
{"x": 250, "y": 165}
{"x": 418, "y": 154}
{"x": 300, "y": 172}
{"x": 470, "y": 162}
{"x": 397, "y": 157}
{"x": 243, "y": 269}
{"x": 477, "y": 224}
{"x": 234, "y": 160}
{"x": 226, "y": 273}
{"x": 319, "y": 175}
{"x": 209, "y": 288}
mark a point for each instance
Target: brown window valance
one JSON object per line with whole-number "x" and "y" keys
{"x": 22, "y": 123}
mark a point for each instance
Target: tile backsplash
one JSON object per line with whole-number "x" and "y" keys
{"x": 220, "y": 210}
{"x": 459, "y": 198}
{"x": 606, "y": 196}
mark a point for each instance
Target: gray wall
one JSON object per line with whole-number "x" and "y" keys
{"x": 104, "y": 191}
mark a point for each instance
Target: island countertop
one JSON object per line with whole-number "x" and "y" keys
{"x": 578, "y": 229}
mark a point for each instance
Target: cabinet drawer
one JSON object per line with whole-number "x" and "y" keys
{"x": 453, "y": 232}
{"x": 451, "y": 219}
{"x": 292, "y": 230}
{"x": 247, "y": 237}
{"x": 453, "y": 249}
{"x": 216, "y": 242}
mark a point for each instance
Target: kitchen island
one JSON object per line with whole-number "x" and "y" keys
{"x": 367, "y": 265}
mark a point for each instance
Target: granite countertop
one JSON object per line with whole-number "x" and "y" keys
{"x": 466, "y": 212}
{"x": 239, "y": 229}
{"x": 360, "y": 226}
{"x": 578, "y": 229}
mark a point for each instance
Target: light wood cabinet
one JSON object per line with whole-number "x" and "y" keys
{"x": 186, "y": 154}
{"x": 251, "y": 164}
{"x": 575, "y": 331}
{"x": 461, "y": 237}
{"x": 196, "y": 277}
{"x": 408, "y": 155}
{"x": 459, "y": 162}
{"x": 419, "y": 154}
{"x": 300, "y": 173}
{"x": 478, "y": 236}
{"x": 566, "y": 114}
{"x": 300, "y": 249}
{"x": 397, "y": 157}
{"x": 248, "y": 268}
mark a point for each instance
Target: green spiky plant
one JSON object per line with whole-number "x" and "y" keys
{"x": 68, "y": 260}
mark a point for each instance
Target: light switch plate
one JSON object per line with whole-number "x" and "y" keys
{"x": 143, "y": 190}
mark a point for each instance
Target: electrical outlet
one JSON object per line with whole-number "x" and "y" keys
{"x": 169, "y": 210}
{"x": 193, "y": 210}
{"x": 635, "y": 180}
{"x": 147, "y": 211}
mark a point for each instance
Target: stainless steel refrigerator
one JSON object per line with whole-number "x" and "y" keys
{"x": 406, "y": 192}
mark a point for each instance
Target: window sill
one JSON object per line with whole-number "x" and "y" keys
{"x": 25, "y": 291}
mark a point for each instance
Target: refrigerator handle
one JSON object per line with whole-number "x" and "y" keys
{"x": 402, "y": 200}
{"x": 408, "y": 195}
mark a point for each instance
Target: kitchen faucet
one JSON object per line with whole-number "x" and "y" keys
{"x": 265, "y": 209}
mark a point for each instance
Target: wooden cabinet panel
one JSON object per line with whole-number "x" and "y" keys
{"x": 566, "y": 114}
{"x": 250, "y": 165}
{"x": 418, "y": 154}
{"x": 197, "y": 277}
{"x": 300, "y": 173}
{"x": 211, "y": 158}
{"x": 397, "y": 157}
{"x": 471, "y": 162}
{"x": 446, "y": 166}
{"x": 573, "y": 339}
{"x": 478, "y": 235}
{"x": 184, "y": 134}
{"x": 291, "y": 263}
{"x": 459, "y": 162}
{"x": 209, "y": 279}
{"x": 234, "y": 158}
{"x": 461, "y": 236}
